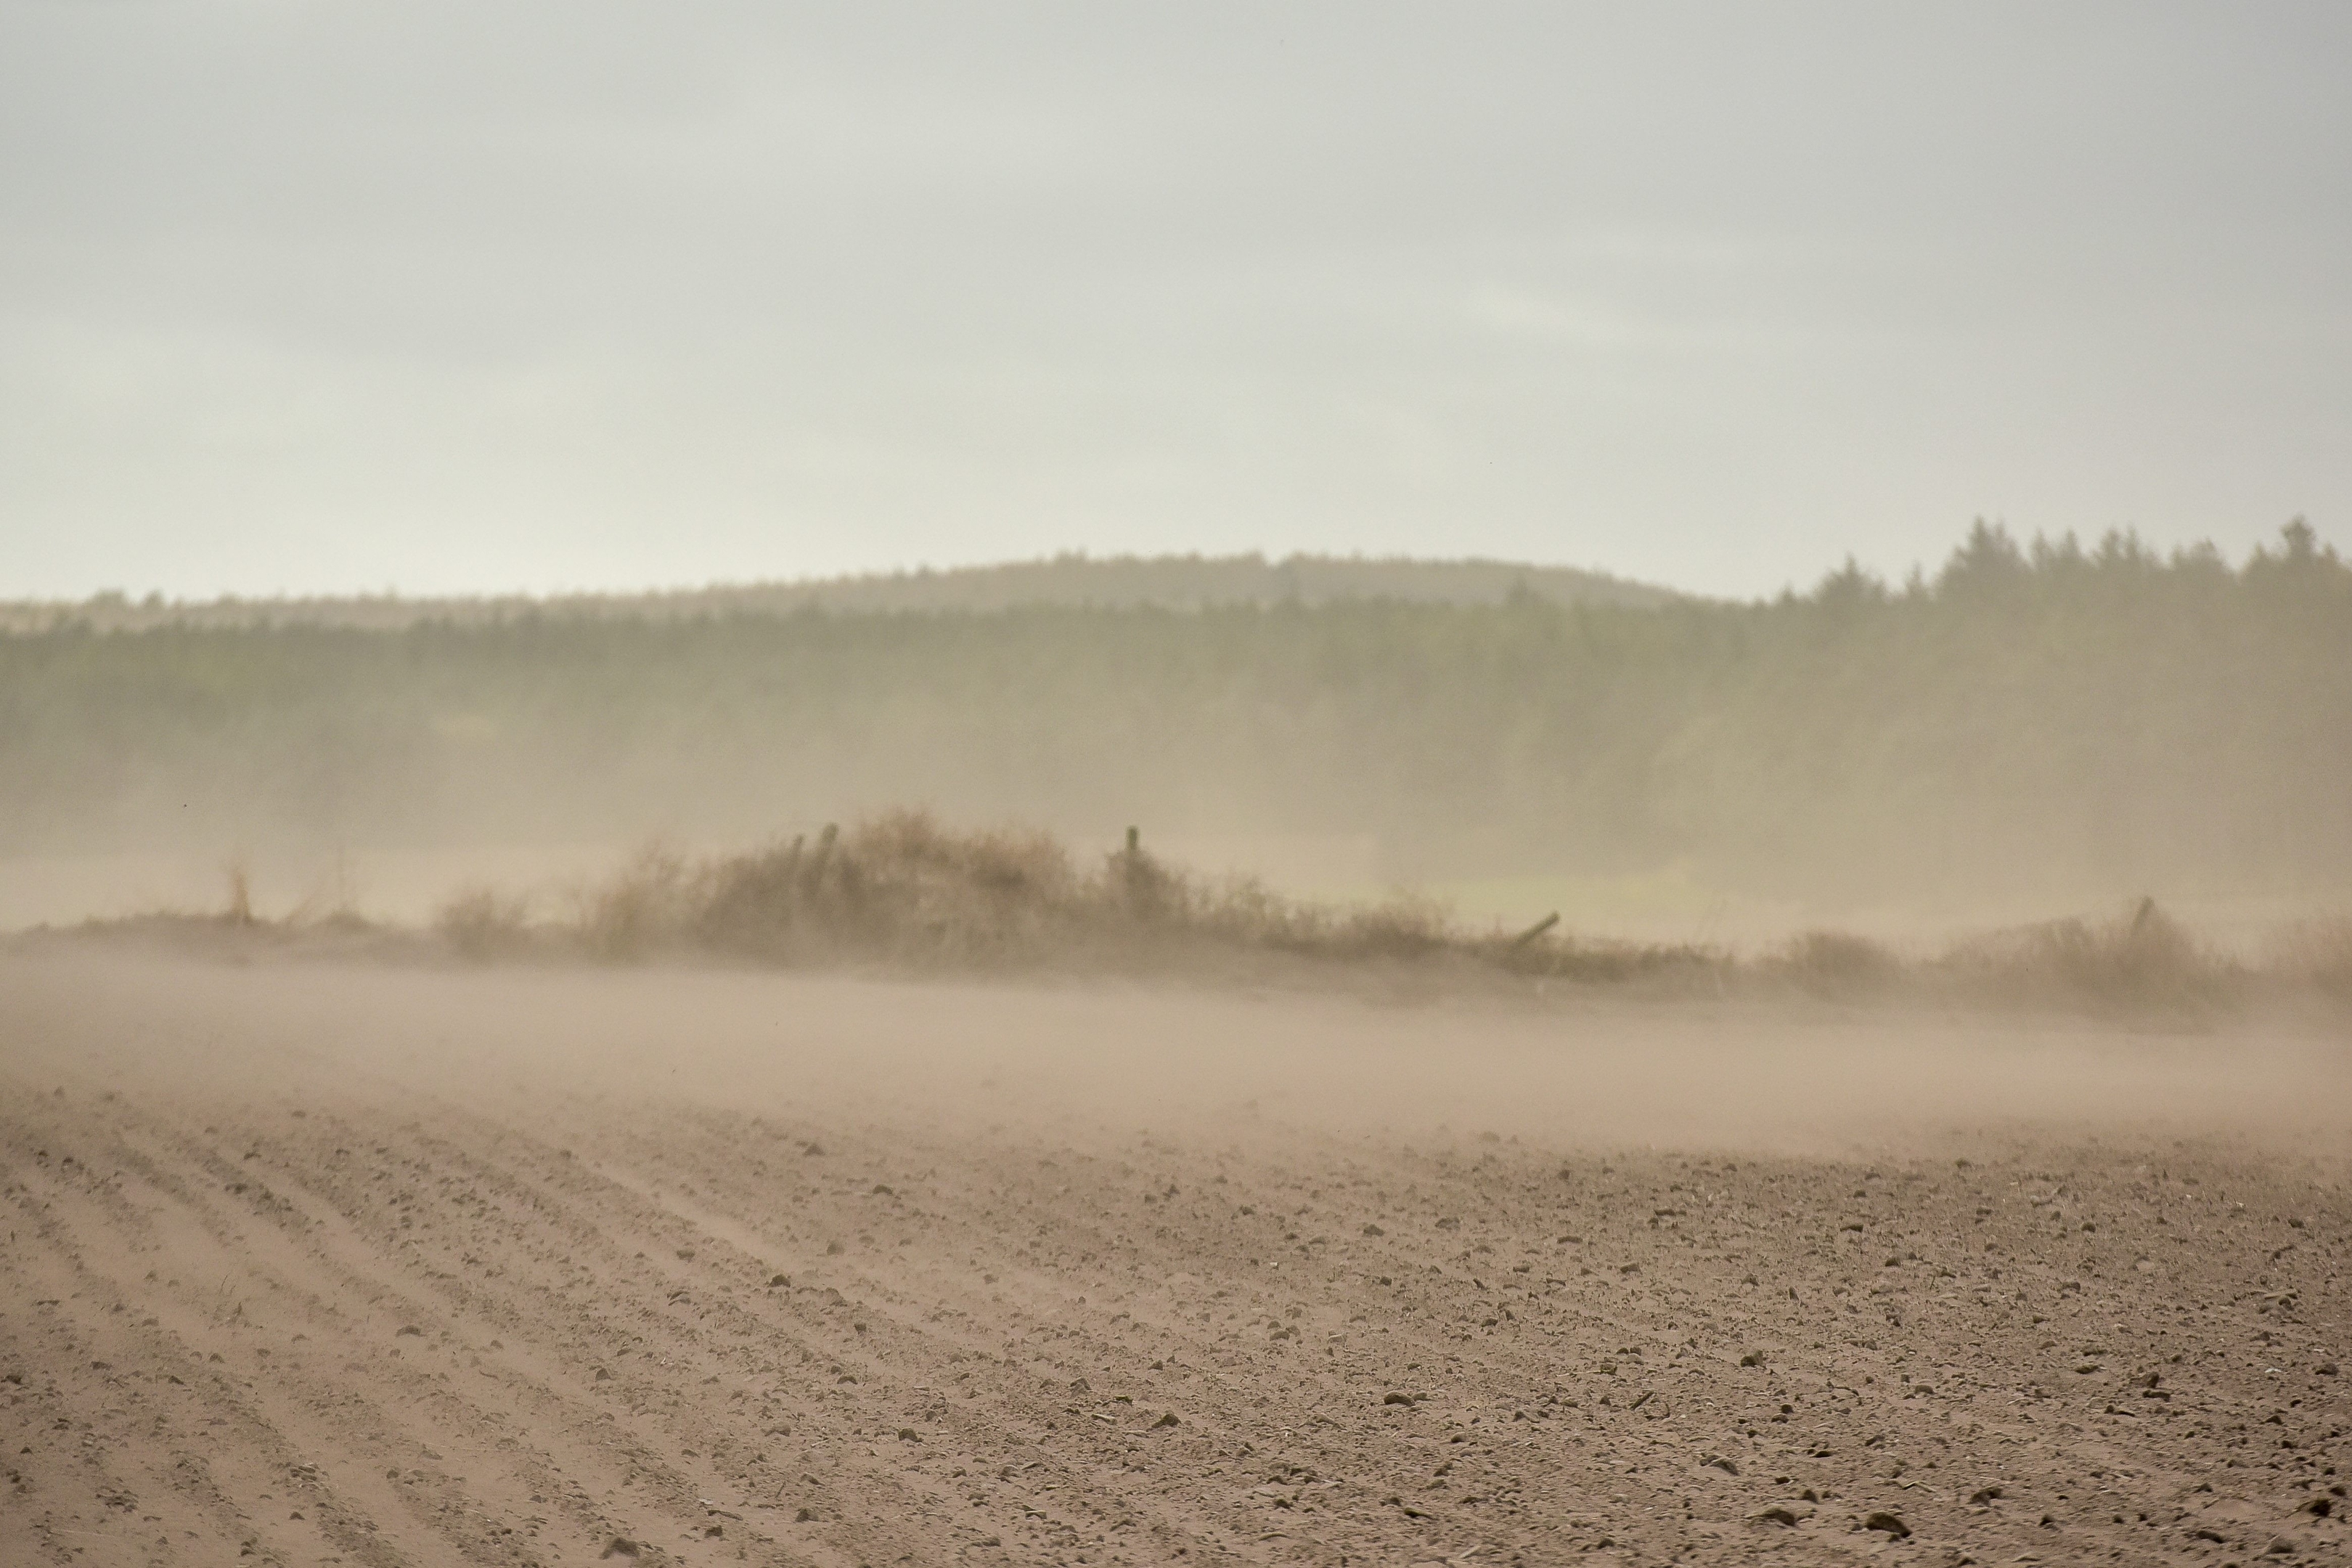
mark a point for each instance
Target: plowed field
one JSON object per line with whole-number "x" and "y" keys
{"x": 365, "y": 1266}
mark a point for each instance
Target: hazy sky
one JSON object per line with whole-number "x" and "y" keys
{"x": 297, "y": 295}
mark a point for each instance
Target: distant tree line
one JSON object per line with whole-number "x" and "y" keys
{"x": 1111, "y": 582}
{"x": 2046, "y": 719}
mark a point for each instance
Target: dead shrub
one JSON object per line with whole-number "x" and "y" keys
{"x": 2141, "y": 961}
{"x": 1836, "y": 965}
{"x": 2315, "y": 953}
{"x": 482, "y": 924}
{"x": 1404, "y": 927}
{"x": 638, "y": 907}
{"x": 1677, "y": 966}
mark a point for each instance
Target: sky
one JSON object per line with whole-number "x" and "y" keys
{"x": 298, "y": 296}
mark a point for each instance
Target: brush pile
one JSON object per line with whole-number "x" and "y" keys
{"x": 901, "y": 892}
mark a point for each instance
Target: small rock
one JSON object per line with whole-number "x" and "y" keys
{"x": 1753, "y": 1358}
{"x": 1165, "y": 1421}
{"x": 687, "y": 1253}
{"x": 776, "y": 1280}
{"x": 1892, "y": 1523}
{"x": 1984, "y": 1494}
{"x": 1776, "y": 1515}
{"x": 1375, "y": 1230}
{"x": 619, "y": 1546}
{"x": 1397, "y": 1399}
{"x": 1719, "y": 1463}
{"x": 805, "y": 1516}
{"x": 409, "y": 1329}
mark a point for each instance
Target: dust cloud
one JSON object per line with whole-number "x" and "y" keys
{"x": 760, "y": 1004}
{"x": 544, "y": 1265}
{"x": 1789, "y": 1079}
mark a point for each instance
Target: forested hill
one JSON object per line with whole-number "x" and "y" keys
{"x": 1168, "y": 582}
{"x": 2035, "y": 722}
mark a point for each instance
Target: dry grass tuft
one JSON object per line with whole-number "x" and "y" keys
{"x": 484, "y": 925}
{"x": 2316, "y": 953}
{"x": 1836, "y": 965}
{"x": 639, "y": 909}
{"x": 2142, "y": 960}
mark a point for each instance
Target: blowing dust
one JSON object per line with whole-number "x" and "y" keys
{"x": 1132, "y": 1056}
{"x": 551, "y": 1265}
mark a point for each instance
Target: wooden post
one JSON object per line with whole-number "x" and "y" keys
{"x": 1536, "y": 929}
{"x": 814, "y": 871}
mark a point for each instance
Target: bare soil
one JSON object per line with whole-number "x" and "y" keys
{"x": 314, "y": 1264}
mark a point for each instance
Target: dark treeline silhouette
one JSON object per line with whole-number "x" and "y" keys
{"x": 1112, "y": 582}
{"x": 2041, "y": 722}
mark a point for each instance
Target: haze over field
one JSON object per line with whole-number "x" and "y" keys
{"x": 2030, "y": 731}
{"x": 1082, "y": 785}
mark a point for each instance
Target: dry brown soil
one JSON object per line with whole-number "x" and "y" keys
{"x": 309, "y": 1265}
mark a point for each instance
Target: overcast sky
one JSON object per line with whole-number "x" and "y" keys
{"x": 304, "y": 296}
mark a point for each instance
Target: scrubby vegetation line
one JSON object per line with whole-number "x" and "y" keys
{"x": 902, "y": 891}
{"x": 899, "y": 894}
